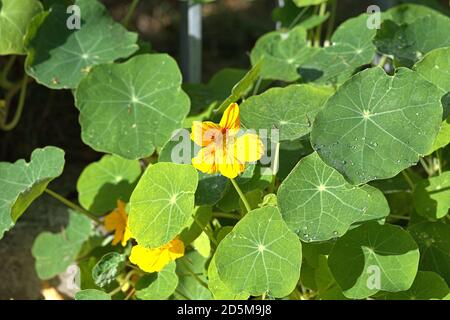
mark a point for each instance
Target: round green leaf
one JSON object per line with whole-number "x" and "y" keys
{"x": 129, "y": 109}
{"x": 260, "y": 255}
{"x": 162, "y": 203}
{"x": 108, "y": 268}
{"x": 374, "y": 257}
{"x": 21, "y": 183}
{"x": 59, "y": 57}
{"x": 92, "y": 294}
{"x": 431, "y": 197}
{"x": 434, "y": 244}
{"x": 318, "y": 204}
{"x": 218, "y": 289}
{"x": 158, "y": 286}
{"x": 373, "y": 114}
{"x": 104, "y": 182}
{"x": 291, "y": 109}
{"x": 281, "y": 52}
{"x": 15, "y": 17}
{"x": 351, "y": 47}
{"x": 426, "y": 286}
{"x": 54, "y": 253}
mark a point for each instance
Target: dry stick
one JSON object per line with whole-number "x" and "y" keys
{"x": 72, "y": 205}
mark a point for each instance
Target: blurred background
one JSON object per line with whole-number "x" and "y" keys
{"x": 230, "y": 29}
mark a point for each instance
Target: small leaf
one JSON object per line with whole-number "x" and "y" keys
{"x": 433, "y": 239}
{"x": 373, "y": 114}
{"x": 15, "y": 17}
{"x": 108, "y": 268}
{"x": 281, "y": 53}
{"x": 291, "y": 109}
{"x": 374, "y": 257}
{"x": 54, "y": 253}
{"x": 92, "y": 294}
{"x": 21, "y": 183}
{"x": 104, "y": 182}
{"x": 130, "y": 108}
{"x": 162, "y": 203}
{"x": 432, "y": 196}
{"x": 59, "y": 57}
{"x": 318, "y": 204}
{"x": 159, "y": 285}
{"x": 261, "y": 255}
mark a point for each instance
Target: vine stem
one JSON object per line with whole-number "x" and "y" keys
{"x": 130, "y": 13}
{"x": 4, "y": 82}
{"x": 225, "y": 215}
{"x": 399, "y": 217}
{"x": 23, "y": 93}
{"x": 241, "y": 195}
{"x": 408, "y": 180}
{"x": 322, "y": 10}
{"x": 332, "y": 20}
{"x": 72, "y": 205}
{"x": 206, "y": 231}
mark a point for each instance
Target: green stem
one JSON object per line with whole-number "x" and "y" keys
{"x": 192, "y": 273}
{"x": 225, "y": 215}
{"x": 439, "y": 161}
{"x": 399, "y": 217}
{"x": 72, "y": 205}
{"x": 408, "y": 180}
{"x": 332, "y": 20}
{"x": 4, "y": 82}
{"x": 130, "y": 13}
{"x": 256, "y": 88}
{"x": 298, "y": 17}
{"x": 205, "y": 230}
{"x": 241, "y": 195}
{"x": 382, "y": 61}
{"x": 23, "y": 93}
{"x": 425, "y": 167}
{"x": 322, "y": 10}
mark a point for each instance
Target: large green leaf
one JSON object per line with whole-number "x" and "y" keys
{"x": 435, "y": 67}
{"x": 92, "y": 294}
{"x": 318, "y": 204}
{"x": 54, "y": 253}
{"x": 373, "y": 114}
{"x": 291, "y": 109}
{"x": 281, "y": 53}
{"x": 129, "y": 109}
{"x": 351, "y": 48}
{"x": 108, "y": 268}
{"x": 15, "y": 17}
{"x": 432, "y": 196}
{"x": 21, "y": 183}
{"x": 104, "y": 182}
{"x": 158, "y": 286}
{"x": 434, "y": 244}
{"x": 408, "y": 42}
{"x": 162, "y": 203}
{"x": 59, "y": 57}
{"x": 260, "y": 255}
{"x": 426, "y": 286}
{"x": 374, "y": 257}
{"x": 218, "y": 289}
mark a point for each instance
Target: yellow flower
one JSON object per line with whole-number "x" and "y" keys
{"x": 117, "y": 221}
{"x": 154, "y": 260}
{"x": 223, "y": 150}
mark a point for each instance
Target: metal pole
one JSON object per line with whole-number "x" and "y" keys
{"x": 191, "y": 41}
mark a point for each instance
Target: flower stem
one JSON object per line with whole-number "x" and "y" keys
{"x": 322, "y": 11}
{"x": 130, "y": 13}
{"x": 225, "y": 215}
{"x": 72, "y": 205}
{"x": 408, "y": 180}
{"x": 241, "y": 195}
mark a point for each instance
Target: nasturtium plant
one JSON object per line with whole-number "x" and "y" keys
{"x": 131, "y": 108}
{"x": 59, "y": 57}
{"x": 318, "y": 171}
{"x": 15, "y": 17}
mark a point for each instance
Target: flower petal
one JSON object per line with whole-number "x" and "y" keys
{"x": 230, "y": 119}
{"x": 249, "y": 148}
{"x": 205, "y": 160}
{"x": 227, "y": 163}
{"x": 203, "y": 133}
